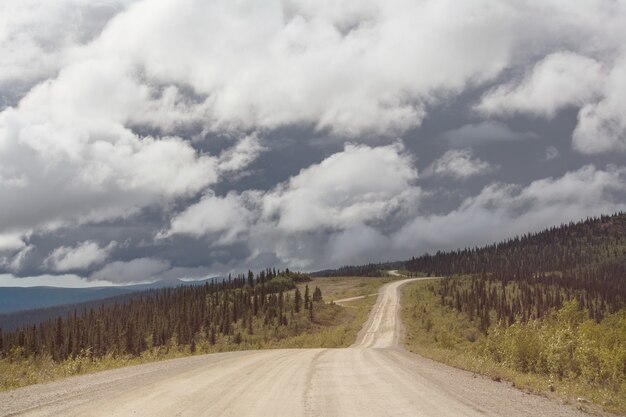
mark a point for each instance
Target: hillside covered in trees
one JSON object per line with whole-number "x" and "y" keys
{"x": 585, "y": 260}
{"x": 547, "y": 307}
{"x": 369, "y": 270}
{"x": 526, "y": 276}
{"x": 235, "y": 309}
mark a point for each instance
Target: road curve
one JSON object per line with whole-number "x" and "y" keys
{"x": 374, "y": 377}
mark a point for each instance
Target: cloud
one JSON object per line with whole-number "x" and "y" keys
{"x": 82, "y": 256}
{"x": 124, "y": 120}
{"x": 301, "y": 60}
{"x": 308, "y": 63}
{"x": 499, "y": 211}
{"x": 357, "y": 191}
{"x": 484, "y": 133}
{"x": 11, "y": 242}
{"x": 212, "y": 214}
{"x": 106, "y": 178}
{"x": 504, "y": 210}
{"x": 242, "y": 154}
{"x": 552, "y": 153}
{"x": 360, "y": 184}
{"x": 64, "y": 280}
{"x": 81, "y": 163}
{"x": 305, "y": 63}
{"x": 602, "y": 125}
{"x": 459, "y": 164}
{"x": 353, "y": 245}
{"x": 70, "y": 155}
{"x": 560, "y": 80}
{"x": 16, "y": 261}
{"x": 37, "y": 37}
{"x": 136, "y": 270}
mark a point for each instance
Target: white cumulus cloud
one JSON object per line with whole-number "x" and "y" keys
{"x": 212, "y": 214}
{"x": 82, "y": 256}
{"x": 559, "y": 80}
{"x": 357, "y": 185}
{"x": 11, "y": 242}
{"x": 602, "y": 125}
{"x": 37, "y": 37}
{"x": 459, "y": 164}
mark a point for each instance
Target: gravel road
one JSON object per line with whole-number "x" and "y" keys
{"x": 374, "y": 377}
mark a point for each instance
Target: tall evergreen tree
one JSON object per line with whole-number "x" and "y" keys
{"x": 297, "y": 301}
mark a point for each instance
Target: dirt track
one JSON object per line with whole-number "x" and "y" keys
{"x": 374, "y": 377}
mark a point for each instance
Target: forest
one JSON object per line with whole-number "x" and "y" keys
{"x": 545, "y": 310}
{"x": 526, "y": 277}
{"x": 235, "y": 309}
{"x": 369, "y": 270}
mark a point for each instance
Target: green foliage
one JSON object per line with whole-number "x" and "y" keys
{"x": 565, "y": 350}
{"x": 564, "y": 345}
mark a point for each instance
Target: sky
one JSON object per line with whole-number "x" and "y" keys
{"x": 155, "y": 139}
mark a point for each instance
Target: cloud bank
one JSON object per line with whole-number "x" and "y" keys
{"x": 143, "y": 139}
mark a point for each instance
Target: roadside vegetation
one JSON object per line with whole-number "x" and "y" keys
{"x": 546, "y": 311}
{"x": 565, "y": 354}
{"x": 273, "y": 309}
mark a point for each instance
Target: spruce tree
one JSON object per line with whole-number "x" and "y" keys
{"x": 212, "y": 336}
{"x": 306, "y": 296}
{"x": 297, "y": 301}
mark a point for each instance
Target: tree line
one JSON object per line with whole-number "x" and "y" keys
{"x": 369, "y": 270}
{"x": 526, "y": 277}
{"x": 184, "y": 315}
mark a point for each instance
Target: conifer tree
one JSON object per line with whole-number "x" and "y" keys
{"x": 297, "y": 301}
{"x": 306, "y": 296}
{"x": 212, "y": 336}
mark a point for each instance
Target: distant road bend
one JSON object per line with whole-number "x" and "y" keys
{"x": 374, "y": 377}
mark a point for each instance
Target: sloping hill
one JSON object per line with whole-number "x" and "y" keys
{"x": 546, "y": 310}
{"x": 592, "y": 243}
{"x": 32, "y": 305}
{"x": 16, "y": 319}
{"x": 15, "y": 299}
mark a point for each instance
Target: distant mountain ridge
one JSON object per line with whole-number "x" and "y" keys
{"x": 15, "y": 299}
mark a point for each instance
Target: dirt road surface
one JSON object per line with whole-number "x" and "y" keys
{"x": 374, "y": 377}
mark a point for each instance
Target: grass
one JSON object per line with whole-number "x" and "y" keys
{"x": 333, "y": 326}
{"x": 447, "y": 336}
{"x": 336, "y": 288}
